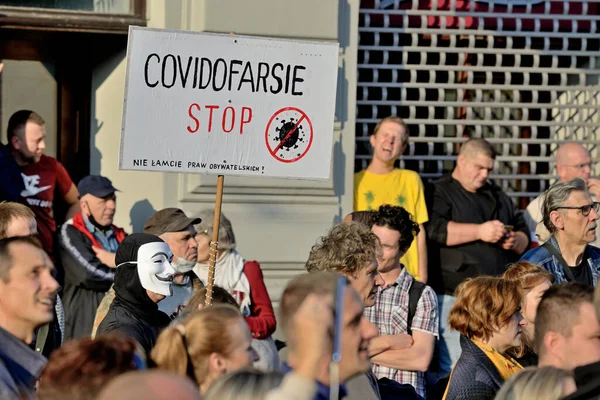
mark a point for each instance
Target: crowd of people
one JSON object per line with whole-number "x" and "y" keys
{"x": 438, "y": 291}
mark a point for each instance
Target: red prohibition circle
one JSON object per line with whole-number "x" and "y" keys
{"x": 302, "y": 118}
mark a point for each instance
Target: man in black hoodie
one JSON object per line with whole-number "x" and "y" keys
{"x": 143, "y": 278}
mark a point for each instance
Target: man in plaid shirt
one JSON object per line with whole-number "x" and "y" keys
{"x": 396, "y": 231}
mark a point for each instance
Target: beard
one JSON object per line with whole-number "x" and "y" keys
{"x": 28, "y": 157}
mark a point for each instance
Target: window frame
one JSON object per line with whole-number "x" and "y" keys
{"x": 49, "y": 19}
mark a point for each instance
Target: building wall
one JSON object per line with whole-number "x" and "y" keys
{"x": 30, "y": 85}
{"x": 521, "y": 74}
{"x": 276, "y": 221}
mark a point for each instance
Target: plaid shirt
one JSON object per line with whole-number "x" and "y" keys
{"x": 389, "y": 315}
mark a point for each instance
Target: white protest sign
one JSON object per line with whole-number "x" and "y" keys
{"x": 228, "y": 104}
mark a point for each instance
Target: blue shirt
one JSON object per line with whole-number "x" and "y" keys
{"x": 322, "y": 390}
{"x": 19, "y": 368}
{"x": 108, "y": 238}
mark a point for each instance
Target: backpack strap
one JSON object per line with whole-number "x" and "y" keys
{"x": 414, "y": 294}
{"x": 41, "y": 337}
{"x": 568, "y": 273}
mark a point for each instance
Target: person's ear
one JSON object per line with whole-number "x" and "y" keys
{"x": 15, "y": 142}
{"x": 372, "y": 140}
{"x": 557, "y": 219}
{"x": 85, "y": 207}
{"x": 553, "y": 344}
{"x": 217, "y": 364}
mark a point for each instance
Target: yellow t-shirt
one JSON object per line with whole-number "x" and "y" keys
{"x": 401, "y": 187}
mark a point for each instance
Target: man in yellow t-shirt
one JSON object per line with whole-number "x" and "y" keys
{"x": 381, "y": 183}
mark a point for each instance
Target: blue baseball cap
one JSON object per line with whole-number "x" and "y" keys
{"x": 96, "y": 185}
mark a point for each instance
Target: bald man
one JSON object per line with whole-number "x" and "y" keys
{"x": 572, "y": 161}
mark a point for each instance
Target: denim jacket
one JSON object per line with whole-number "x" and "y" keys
{"x": 542, "y": 257}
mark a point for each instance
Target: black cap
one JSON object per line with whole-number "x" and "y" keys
{"x": 95, "y": 185}
{"x": 168, "y": 220}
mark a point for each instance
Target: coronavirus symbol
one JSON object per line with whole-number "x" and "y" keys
{"x": 289, "y": 134}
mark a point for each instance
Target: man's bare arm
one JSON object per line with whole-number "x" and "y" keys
{"x": 415, "y": 358}
{"x": 383, "y": 343}
{"x": 72, "y": 198}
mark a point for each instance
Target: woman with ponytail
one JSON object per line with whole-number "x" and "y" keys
{"x": 206, "y": 345}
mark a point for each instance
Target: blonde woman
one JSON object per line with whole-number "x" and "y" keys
{"x": 315, "y": 319}
{"x": 243, "y": 279}
{"x": 534, "y": 281}
{"x": 545, "y": 383}
{"x": 206, "y": 345}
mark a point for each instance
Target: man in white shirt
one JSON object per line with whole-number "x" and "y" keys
{"x": 572, "y": 161}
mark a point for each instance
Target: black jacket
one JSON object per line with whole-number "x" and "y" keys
{"x": 451, "y": 265}
{"x": 588, "y": 384}
{"x": 86, "y": 278}
{"x": 474, "y": 377}
{"x": 133, "y": 312}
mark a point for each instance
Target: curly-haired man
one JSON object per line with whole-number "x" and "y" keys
{"x": 402, "y": 307}
{"x": 350, "y": 249}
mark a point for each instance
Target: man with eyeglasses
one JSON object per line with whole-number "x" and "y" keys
{"x": 571, "y": 216}
{"x": 572, "y": 161}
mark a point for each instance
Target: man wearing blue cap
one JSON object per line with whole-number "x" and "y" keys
{"x": 88, "y": 244}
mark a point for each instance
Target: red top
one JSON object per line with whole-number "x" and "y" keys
{"x": 41, "y": 180}
{"x": 262, "y": 321}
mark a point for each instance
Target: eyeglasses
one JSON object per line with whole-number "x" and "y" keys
{"x": 582, "y": 166}
{"x": 585, "y": 210}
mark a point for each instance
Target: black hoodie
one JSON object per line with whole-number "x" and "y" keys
{"x": 133, "y": 312}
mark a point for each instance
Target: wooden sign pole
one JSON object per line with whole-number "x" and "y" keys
{"x": 214, "y": 244}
